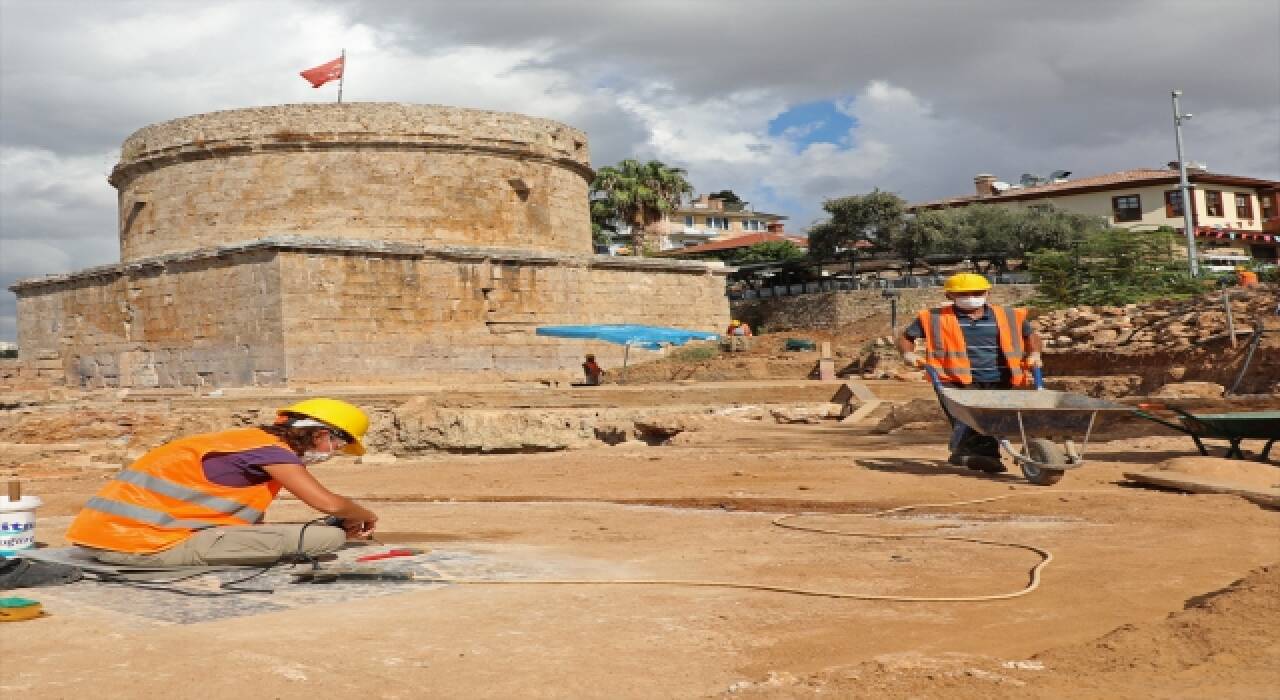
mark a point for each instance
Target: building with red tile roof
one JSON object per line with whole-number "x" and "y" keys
{"x": 1230, "y": 212}
{"x": 734, "y": 243}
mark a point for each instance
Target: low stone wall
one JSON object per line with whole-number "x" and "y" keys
{"x": 302, "y": 310}
{"x": 834, "y": 309}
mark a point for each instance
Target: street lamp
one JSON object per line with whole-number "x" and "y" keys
{"x": 1185, "y": 188}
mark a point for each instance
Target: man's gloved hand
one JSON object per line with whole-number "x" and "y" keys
{"x": 1033, "y": 360}
{"x": 912, "y": 359}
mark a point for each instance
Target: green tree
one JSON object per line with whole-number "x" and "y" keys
{"x": 1113, "y": 266}
{"x": 639, "y": 194}
{"x": 875, "y": 218}
{"x": 769, "y": 251}
{"x": 992, "y": 231}
{"x": 732, "y": 202}
{"x": 928, "y": 233}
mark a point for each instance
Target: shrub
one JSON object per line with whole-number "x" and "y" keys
{"x": 1113, "y": 267}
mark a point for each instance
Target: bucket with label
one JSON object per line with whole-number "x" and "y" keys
{"x": 17, "y": 524}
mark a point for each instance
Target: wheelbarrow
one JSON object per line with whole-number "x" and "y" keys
{"x": 1232, "y": 427}
{"x": 1039, "y": 418}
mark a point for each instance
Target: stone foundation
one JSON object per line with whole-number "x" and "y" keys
{"x": 307, "y": 310}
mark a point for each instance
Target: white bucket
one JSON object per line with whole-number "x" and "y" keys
{"x": 18, "y": 524}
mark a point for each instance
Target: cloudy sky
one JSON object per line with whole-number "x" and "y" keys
{"x": 786, "y": 102}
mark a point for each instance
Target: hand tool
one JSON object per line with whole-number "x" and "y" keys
{"x": 397, "y": 552}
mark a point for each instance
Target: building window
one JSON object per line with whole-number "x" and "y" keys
{"x": 1244, "y": 206}
{"x": 688, "y": 220}
{"x": 1212, "y": 203}
{"x": 718, "y": 222}
{"x": 1173, "y": 203}
{"x": 1267, "y": 206}
{"x": 1126, "y": 207}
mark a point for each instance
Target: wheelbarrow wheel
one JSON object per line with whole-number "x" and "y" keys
{"x": 1045, "y": 452}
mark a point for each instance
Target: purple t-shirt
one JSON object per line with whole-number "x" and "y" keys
{"x": 245, "y": 468}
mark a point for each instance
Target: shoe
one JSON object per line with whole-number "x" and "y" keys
{"x": 982, "y": 463}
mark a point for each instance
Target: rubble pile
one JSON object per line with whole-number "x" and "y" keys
{"x": 1166, "y": 325}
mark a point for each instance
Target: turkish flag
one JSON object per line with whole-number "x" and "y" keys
{"x": 323, "y": 73}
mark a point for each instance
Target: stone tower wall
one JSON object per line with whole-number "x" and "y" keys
{"x": 402, "y": 173}
{"x": 201, "y": 321}
{"x": 376, "y": 318}
{"x": 317, "y": 311}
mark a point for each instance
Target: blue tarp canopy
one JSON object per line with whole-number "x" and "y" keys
{"x": 648, "y": 337}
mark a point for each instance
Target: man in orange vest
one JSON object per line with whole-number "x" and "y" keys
{"x": 200, "y": 500}
{"x": 972, "y": 344}
{"x": 1246, "y": 277}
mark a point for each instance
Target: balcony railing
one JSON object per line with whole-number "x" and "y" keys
{"x": 836, "y": 285}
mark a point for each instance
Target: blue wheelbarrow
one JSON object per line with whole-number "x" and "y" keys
{"x": 1039, "y": 418}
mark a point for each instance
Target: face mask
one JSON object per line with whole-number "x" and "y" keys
{"x": 312, "y": 457}
{"x": 970, "y": 303}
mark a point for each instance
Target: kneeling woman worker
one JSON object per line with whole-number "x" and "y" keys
{"x": 200, "y": 500}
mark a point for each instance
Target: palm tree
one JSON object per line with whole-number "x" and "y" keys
{"x": 639, "y": 194}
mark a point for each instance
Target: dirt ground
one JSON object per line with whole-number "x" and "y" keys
{"x": 1149, "y": 593}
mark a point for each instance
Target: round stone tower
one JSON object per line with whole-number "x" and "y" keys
{"x": 372, "y": 171}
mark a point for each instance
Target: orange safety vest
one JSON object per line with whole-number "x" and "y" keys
{"x": 1247, "y": 278}
{"x": 945, "y": 347}
{"x": 164, "y": 497}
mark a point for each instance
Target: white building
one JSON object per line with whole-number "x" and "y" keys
{"x": 1231, "y": 213}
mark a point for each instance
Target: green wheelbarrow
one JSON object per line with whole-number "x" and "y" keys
{"x": 1232, "y": 427}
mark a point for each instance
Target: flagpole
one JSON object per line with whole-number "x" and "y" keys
{"x": 343, "y": 76}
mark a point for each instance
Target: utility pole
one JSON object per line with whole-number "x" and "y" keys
{"x": 1185, "y": 188}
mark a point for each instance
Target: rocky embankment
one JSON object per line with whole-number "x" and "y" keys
{"x": 1164, "y": 325}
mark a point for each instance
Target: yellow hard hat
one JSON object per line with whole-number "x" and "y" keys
{"x": 966, "y": 282}
{"x": 338, "y": 414}
{"x": 735, "y": 322}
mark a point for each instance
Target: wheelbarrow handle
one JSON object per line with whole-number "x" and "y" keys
{"x": 933, "y": 376}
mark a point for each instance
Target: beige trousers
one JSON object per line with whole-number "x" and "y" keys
{"x": 236, "y": 545}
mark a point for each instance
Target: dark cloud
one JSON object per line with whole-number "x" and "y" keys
{"x": 1035, "y": 71}
{"x": 940, "y": 90}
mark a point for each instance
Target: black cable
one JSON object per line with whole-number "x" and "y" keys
{"x": 299, "y": 556}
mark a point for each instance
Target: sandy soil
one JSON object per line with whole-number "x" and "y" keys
{"x": 1127, "y": 607}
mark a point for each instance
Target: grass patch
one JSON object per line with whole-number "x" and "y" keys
{"x": 696, "y": 353}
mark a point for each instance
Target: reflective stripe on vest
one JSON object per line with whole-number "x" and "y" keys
{"x": 182, "y": 493}
{"x": 146, "y": 515}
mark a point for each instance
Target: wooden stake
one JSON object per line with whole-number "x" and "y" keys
{"x": 15, "y": 491}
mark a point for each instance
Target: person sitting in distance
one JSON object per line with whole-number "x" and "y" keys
{"x": 592, "y": 371}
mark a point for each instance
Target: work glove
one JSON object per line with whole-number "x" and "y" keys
{"x": 1033, "y": 360}
{"x": 912, "y": 359}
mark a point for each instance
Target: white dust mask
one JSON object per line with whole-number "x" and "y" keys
{"x": 971, "y": 303}
{"x": 313, "y": 457}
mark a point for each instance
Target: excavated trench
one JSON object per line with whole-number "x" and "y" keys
{"x": 1144, "y": 373}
